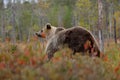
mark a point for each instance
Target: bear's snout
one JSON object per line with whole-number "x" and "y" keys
{"x": 37, "y": 34}
{"x": 42, "y": 35}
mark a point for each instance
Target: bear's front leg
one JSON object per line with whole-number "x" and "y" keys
{"x": 51, "y": 53}
{"x": 73, "y": 52}
{"x": 50, "y": 56}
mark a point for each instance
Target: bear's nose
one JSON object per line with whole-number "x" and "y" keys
{"x": 36, "y": 33}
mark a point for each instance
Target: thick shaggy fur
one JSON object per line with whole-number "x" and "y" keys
{"x": 77, "y": 39}
{"x": 48, "y": 31}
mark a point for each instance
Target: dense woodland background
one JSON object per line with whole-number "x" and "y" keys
{"x": 19, "y": 19}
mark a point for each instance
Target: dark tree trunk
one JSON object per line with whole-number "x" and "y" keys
{"x": 115, "y": 37}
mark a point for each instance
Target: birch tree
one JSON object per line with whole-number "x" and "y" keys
{"x": 100, "y": 24}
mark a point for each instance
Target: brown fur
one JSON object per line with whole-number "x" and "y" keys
{"x": 59, "y": 29}
{"x": 77, "y": 39}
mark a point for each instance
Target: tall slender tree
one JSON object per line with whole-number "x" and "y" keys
{"x": 2, "y": 20}
{"x": 115, "y": 36}
{"x": 13, "y": 22}
{"x": 100, "y": 24}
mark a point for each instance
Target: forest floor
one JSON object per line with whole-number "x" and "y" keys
{"x": 27, "y": 61}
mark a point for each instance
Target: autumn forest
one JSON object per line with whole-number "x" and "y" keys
{"x": 22, "y": 53}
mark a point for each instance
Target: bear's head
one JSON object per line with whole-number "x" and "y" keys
{"x": 46, "y": 32}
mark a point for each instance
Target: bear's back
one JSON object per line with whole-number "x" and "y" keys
{"x": 75, "y": 33}
{"x": 75, "y": 37}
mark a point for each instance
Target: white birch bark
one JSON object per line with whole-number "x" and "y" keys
{"x": 100, "y": 24}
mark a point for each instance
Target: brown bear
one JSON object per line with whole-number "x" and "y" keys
{"x": 78, "y": 39}
{"x": 48, "y": 31}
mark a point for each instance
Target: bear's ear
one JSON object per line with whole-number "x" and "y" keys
{"x": 48, "y": 26}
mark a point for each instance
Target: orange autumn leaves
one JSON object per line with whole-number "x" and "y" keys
{"x": 87, "y": 44}
{"x": 117, "y": 68}
{"x": 31, "y": 60}
{"x": 2, "y": 65}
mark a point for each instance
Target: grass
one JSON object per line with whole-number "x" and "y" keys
{"x": 27, "y": 61}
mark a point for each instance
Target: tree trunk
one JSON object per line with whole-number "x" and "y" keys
{"x": 2, "y": 15}
{"x": 115, "y": 37}
{"x": 18, "y": 15}
{"x": 19, "y": 31}
{"x": 107, "y": 21}
{"x": 100, "y": 24}
{"x": 3, "y": 27}
{"x": 60, "y": 17}
{"x": 13, "y": 24}
{"x": 110, "y": 19}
